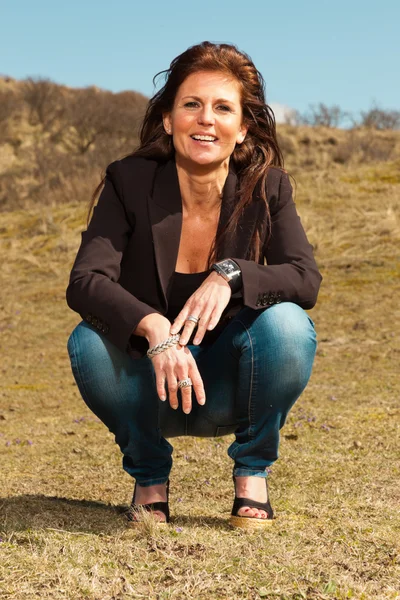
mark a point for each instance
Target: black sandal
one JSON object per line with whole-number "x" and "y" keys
{"x": 251, "y": 522}
{"x": 134, "y": 509}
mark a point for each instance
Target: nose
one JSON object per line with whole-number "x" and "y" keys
{"x": 206, "y": 115}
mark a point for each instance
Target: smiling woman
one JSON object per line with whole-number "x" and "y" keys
{"x": 206, "y": 120}
{"x": 191, "y": 280}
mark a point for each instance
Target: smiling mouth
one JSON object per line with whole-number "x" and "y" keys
{"x": 204, "y": 138}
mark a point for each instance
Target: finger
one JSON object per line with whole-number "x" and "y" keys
{"x": 187, "y": 332}
{"x": 198, "y": 386}
{"x": 181, "y": 373}
{"x": 214, "y": 319}
{"x": 172, "y": 390}
{"x": 186, "y": 395}
{"x": 160, "y": 383}
{"x": 180, "y": 320}
{"x": 201, "y": 328}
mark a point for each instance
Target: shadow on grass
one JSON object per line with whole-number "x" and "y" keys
{"x": 37, "y": 511}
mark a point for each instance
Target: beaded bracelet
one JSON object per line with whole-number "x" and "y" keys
{"x": 171, "y": 341}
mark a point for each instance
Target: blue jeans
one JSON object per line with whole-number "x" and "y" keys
{"x": 253, "y": 373}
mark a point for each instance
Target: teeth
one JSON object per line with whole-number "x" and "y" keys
{"x": 204, "y": 138}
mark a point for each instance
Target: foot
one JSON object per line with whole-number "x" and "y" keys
{"x": 253, "y": 488}
{"x": 150, "y": 494}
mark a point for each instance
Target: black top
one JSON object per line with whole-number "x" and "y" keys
{"x": 183, "y": 285}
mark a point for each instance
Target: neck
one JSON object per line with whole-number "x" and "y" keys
{"x": 201, "y": 186}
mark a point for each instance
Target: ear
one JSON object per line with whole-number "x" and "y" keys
{"x": 242, "y": 133}
{"x": 167, "y": 123}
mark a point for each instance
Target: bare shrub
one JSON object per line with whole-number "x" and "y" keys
{"x": 45, "y": 100}
{"x": 89, "y": 115}
{"x": 323, "y": 116}
{"x": 66, "y": 158}
{"x": 96, "y": 117}
{"x": 11, "y": 187}
{"x": 10, "y": 106}
{"x": 7, "y": 105}
{"x": 378, "y": 118}
{"x": 128, "y": 109}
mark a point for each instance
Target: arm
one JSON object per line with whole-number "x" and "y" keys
{"x": 93, "y": 290}
{"x": 291, "y": 273}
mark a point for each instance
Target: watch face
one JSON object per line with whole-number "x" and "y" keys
{"x": 228, "y": 266}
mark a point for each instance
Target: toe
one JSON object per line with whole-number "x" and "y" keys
{"x": 159, "y": 516}
{"x": 246, "y": 511}
{"x": 254, "y": 513}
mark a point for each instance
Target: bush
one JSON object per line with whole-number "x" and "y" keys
{"x": 377, "y": 118}
{"x": 362, "y": 147}
{"x": 321, "y": 115}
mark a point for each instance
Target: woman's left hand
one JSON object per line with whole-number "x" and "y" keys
{"x": 207, "y": 303}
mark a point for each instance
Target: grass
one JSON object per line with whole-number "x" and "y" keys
{"x": 334, "y": 489}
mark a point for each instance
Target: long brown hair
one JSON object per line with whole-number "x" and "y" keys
{"x": 251, "y": 159}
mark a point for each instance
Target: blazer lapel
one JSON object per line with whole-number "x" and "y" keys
{"x": 165, "y": 213}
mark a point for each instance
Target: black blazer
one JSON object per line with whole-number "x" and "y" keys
{"x": 128, "y": 254}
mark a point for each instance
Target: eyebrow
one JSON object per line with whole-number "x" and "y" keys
{"x": 218, "y": 99}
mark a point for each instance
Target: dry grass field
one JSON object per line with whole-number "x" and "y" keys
{"x": 335, "y": 489}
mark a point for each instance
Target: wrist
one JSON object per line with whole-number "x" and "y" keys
{"x": 154, "y": 327}
{"x": 215, "y": 276}
{"x": 230, "y": 271}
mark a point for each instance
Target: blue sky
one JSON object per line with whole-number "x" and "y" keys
{"x": 342, "y": 52}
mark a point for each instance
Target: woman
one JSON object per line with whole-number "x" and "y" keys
{"x": 171, "y": 282}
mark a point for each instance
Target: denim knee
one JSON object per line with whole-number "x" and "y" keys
{"x": 284, "y": 339}
{"x": 88, "y": 344}
{"x": 292, "y": 339}
{"x": 98, "y": 368}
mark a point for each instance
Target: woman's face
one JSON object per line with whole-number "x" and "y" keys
{"x": 207, "y": 104}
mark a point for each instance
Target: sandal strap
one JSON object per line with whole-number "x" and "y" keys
{"x": 151, "y": 507}
{"x": 241, "y": 502}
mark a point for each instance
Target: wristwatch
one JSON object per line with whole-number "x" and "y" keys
{"x": 230, "y": 271}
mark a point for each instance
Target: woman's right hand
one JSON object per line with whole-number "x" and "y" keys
{"x": 171, "y": 365}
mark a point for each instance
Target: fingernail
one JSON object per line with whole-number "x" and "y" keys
{"x": 202, "y": 401}
{"x": 186, "y": 411}
{"x": 174, "y": 407}
{"x": 163, "y": 398}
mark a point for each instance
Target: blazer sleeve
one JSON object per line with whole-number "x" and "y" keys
{"x": 291, "y": 273}
{"x": 93, "y": 291}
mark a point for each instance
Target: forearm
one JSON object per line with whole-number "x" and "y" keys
{"x": 154, "y": 327}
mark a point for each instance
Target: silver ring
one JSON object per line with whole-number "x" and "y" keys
{"x": 185, "y": 383}
{"x": 193, "y": 318}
